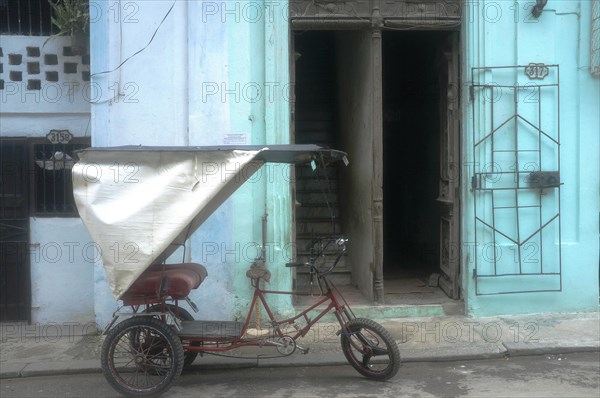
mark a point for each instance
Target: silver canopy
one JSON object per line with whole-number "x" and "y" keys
{"x": 140, "y": 203}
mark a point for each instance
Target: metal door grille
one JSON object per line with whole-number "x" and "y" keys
{"x": 53, "y": 186}
{"x": 516, "y": 179}
{"x": 14, "y": 231}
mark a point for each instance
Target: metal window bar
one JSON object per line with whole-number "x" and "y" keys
{"x": 479, "y": 189}
{"x": 26, "y": 18}
{"x": 53, "y": 192}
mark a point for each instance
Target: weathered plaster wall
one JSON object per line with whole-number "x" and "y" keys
{"x": 203, "y": 81}
{"x": 144, "y": 101}
{"x": 498, "y": 33}
{"x": 238, "y": 61}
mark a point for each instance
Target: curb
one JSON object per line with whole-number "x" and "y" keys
{"x": 524, "y": 349}
{"x": 16, "y": 370}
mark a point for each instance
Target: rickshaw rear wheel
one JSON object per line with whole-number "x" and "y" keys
{"x": 142, "y": 356}
{"x": 182, "y": 315}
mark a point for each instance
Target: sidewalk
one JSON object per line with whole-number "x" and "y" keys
{"x": 35, "y": 350}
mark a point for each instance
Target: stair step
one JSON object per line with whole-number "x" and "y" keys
{"x": 337, "y": 270}
{"x": 308, "y": 236}
{"x": 341, "y": 267}
{"x": 304, "y": 213}
{"x": 318, "y": 205}
{"x": 314, "y": 184}
{"x": 319, "y": 228}
{"x": 307, "y": 171}
{"x": 338, "y": 278}
{"x": 315, "y": 197}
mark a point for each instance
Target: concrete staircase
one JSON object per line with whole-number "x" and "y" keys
{"x": 318, "y": 214}
{"x": 317, "y": 209}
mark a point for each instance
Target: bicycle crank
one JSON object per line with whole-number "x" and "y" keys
{"x": 285, "y": 345}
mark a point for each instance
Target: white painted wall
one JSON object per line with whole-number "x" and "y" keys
{"x": 61, "y": 269}
{"x": 64, "y": 104}
{"x": 144, "y": 102}
{"x": 61, "y": 256}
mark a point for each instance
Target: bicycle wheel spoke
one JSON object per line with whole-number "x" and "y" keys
{"x": 142, "y": 356}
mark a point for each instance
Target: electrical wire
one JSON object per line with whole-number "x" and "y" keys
{"x": 143, "y": 48}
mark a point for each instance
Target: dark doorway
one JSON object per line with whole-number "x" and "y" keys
{"x": 317, "y": 202}
{"x": 14, "y": 231}
{"x": 315, "y": 88}
{"x": 411, "y": 154}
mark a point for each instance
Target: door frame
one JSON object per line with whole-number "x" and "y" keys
{"x": 449, "y": 198}
{"x": 375, "y": 289}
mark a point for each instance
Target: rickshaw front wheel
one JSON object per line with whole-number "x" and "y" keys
{"x": 142, "y": 356}
{"x": 370, "y": 349}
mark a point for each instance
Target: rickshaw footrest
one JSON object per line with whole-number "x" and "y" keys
{"x": 221, "y": 330}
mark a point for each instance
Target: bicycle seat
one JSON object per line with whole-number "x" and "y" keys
{"x": 180, "y": 280}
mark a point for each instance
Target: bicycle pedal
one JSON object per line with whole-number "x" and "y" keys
{"x": 303, "y": 351}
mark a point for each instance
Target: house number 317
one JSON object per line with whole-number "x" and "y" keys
{"x": 536, "y": 71}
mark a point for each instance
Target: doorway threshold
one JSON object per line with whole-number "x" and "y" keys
{"x": 400, "y": 302}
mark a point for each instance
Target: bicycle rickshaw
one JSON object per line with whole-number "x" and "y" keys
{"x": 140, "y": 204}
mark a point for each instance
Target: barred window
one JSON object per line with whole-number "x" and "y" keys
{"x": 26, "y": 17}
{"x": 53, "y": 185}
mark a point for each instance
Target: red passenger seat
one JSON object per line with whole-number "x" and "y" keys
{"x": 181, "y": 279}
{"x": 199, "y": 269}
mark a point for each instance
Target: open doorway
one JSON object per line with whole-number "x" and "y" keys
{"x": 411, "y": 131}
{"x": 317, "y": 192}
{"x": 415, "y": 154}
{"x": 384, "y": 100}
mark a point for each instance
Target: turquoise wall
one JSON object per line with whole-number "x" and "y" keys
{"x": 239, "y": 70}
{"x": 502, "y": 34}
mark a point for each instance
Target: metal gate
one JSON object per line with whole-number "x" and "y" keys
{"x": 14, "y": 231}
{"x": 516, "y": 178}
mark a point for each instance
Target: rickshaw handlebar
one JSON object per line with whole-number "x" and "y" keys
{"x": 340, "y": 243}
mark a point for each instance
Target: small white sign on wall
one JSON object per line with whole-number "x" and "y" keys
{"x": 235, "y": 139}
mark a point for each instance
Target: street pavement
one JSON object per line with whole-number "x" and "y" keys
{"x": 562, "y": 375}
{"x": 56, "y": 349}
